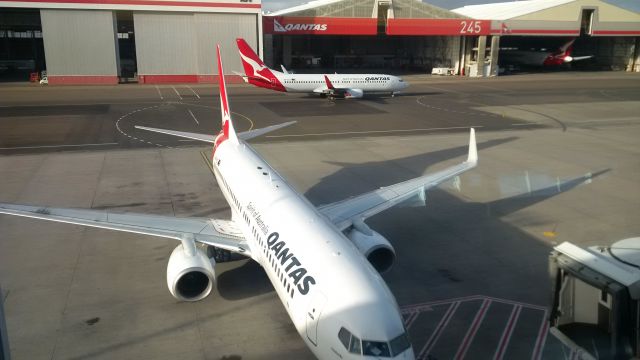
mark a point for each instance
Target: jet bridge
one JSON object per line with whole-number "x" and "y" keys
{"x": 595, "y": 305}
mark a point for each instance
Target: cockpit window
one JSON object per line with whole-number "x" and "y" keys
{"x": 356, "y": 346}
{"x": 350, "y": 342}
{"x": 344, "y": 335}
{"x": 400, "y": 344}
{"x": 375, "y": 348}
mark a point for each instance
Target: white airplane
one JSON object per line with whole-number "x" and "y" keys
{"x": 324, "y": 262}
{"x": 541, "y": 57}
{"x": 344, "y": 85}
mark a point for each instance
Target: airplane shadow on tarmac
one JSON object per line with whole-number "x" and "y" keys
{"x": 384, "y": 98}
{"x": 245, "y": 281}
{"x": 451, "y": 247}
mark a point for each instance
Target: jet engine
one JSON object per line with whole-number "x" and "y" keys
{"x": 353, "y": 94}
{"x": 190, "y": 274}
{"x": 375, "y": 247}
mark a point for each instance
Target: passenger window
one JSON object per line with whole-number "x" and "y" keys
{"x": 344, "y": 335}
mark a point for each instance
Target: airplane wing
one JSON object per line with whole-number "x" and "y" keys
{"x": 354, "y": 210}
{"x": 578, "y": 58}
{"x": 219, "y": 233}
{"x": 331, "y": 89}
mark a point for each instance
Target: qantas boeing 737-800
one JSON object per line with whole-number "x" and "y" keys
{"x": 332, "y": 85}
{"x": 324, "y": 262}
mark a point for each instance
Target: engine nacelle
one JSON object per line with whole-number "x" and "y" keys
{"x": 375, "y": 247}
{"x": 190, "y": 274}
{"x": 353, "y": 94}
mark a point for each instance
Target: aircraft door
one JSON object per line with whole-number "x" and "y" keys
{"x": 314, "y": 310}
{"x": 273, "y": 82}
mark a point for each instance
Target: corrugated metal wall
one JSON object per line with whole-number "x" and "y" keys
{"x": 223, "y": 29}
{"x": 165, "y": 43}
{"x": 178, "y": 43}
{"x": 79, "y": 42}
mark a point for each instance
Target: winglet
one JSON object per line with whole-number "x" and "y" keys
{"x": 284, "y": 70}
{"x": 227, "y": 125}
{"x": 329, "y": 84}
{"x": 473, "y": 149}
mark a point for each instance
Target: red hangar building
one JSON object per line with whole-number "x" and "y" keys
{"x": 413, "y": 36}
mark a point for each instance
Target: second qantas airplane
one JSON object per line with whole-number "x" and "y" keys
{"x": 332, "y": 85}
{"x": 323, "y": 262}
{"x": 541, "y": 57}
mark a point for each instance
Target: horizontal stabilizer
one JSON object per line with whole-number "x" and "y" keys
{"x": 244, "y": 77}
{"x": 183, "y": 134}
{"x": 211, "y": 139}
{"x": 259, "y": 132}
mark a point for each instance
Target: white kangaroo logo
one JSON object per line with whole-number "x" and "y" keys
{"x": 254, "y": 66}
{"x": 278, "y": 27}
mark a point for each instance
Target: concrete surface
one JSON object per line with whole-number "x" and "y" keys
{"x": 471, "y": 275}
{"x": 43, "y": 119}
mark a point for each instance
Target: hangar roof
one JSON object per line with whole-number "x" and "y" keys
{"x": 541, "y": 9}
{"x": 406, "y": 9}
{"x": 507, "y": 10}
{"x": 416, "y": 9}
{"x": 332, "y": 8}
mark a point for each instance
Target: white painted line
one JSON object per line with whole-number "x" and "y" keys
{"x": 193, "y": 117}
{"x": 428, "y": 305}
{"x": 159, "y": 93}
{"x": 54, "y": 146}
{"x": 629, "y": 118}
{"x": 411, "y": 319}
{"x": 177, "y": 93}
{"x": 194, "y": 93}
{"x": 473, "y": 329}
{"x": 433, "y": 339}
{"x": 508, "y": 331}
{"x": 187, "y": 140}
{"x": 375, "y": 131}
{"x": 542, "y": 338}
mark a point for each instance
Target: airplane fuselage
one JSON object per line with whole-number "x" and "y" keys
{"x": 321, "y": 278}
{"x": 366, "y": 82}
